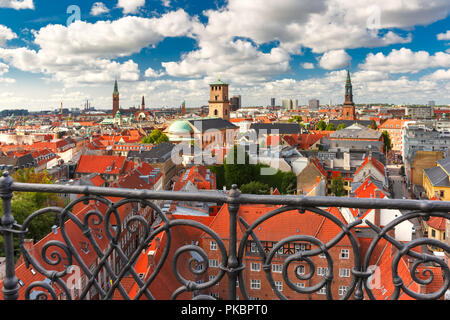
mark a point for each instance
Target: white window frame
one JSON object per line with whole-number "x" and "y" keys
{"x": 323, "y": 290}
{"x": 213, "y": 263}
{"x": 343, "y": 290}
{"x": 255, "y": 284}
{"x": 213, "y": 246}
{"x": 279, "y": 285}
{"x": 322, "y": 271}
{"x": 277, "y": 268}
{"x": 345, "y": 254}
{"x": 344, "y": 273}
{"x": 301, "y": 269}
{"x": 255, "y": 266}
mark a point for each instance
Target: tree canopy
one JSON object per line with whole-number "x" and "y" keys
{"x": 255, "y": 187}
{"x": 387, "y": 142}
{"x": 337, "y": 187}
{"x": 330, "y": 127}
{"x": 23, "y": 204}
{"x": 296, "y": 118}
{"x": 321, "y": 125}
{"x": 155, "y": 137}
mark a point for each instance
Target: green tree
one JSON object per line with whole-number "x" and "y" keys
{"x": 289, "y": 183}
{"x": 330, "y": 127}
{"x": 387, "y": 142}
{"x": 237, "y": 168}
{"x": 341, "y": 126}
{"x": 337, "y": 187}
{"x": 255, "y": 187}
{"x": 296, "y": 118}
{"x": 155, "y": 137}
{"x": 23, "y": 204}
{"x": 321, "y": 125}
{"x": 219, "y": 171}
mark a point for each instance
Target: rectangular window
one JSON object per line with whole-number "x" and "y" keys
{"x": 345, "y": 254}
{"x": 255, "y": 266}
{"x": 255, "y": 284}
{"x": 279, "y": 285}
{"x": 342, "y": 290}
{"x": 344, "y": 273}
{"x": 322, "y": 291}
{"x": 278, "y": 268}
{"x": 213, "y": 263}
{"x": 322, "y": 271}
{"x": 300, "y": 269}
{"x": 253, "y": 247}
{"x": 213, "y": 245}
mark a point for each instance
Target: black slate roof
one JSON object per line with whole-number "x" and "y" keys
{"x": 158, "y": 153}
{"x": 211, "y": 123}
{"x": 283, "y": 128}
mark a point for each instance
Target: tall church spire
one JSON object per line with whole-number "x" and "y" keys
{"x": 348, "y": 110}
{"x": 116, "y": 97}
{"x": 116, "y": 88}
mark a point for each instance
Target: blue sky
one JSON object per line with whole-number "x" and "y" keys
{"x": 169, "y": 50}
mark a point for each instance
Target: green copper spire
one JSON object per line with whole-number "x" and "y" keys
{"x": 349, "y": 80}
{"x": 116, "y": 88}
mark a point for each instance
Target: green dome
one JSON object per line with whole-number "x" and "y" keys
{"x": 180, "y": 126}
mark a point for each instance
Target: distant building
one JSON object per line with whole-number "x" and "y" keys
{"x": 314, "y": 104}
{"x": 419, "y": 112}
{"x": 289, "y": 104}
{"x": 272, "y": 102}
{"x": 219, "y": 103}
{"x": 425, "y": 136}
{"x": 236, "y": 103}
{"x": 394, "y": 127}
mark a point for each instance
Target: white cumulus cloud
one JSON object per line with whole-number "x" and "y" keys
{"x": 17, "y": 4}
{"x": 308, "y": 65}
{"x": 444, "y": 36}
{"x": 130, "y": 6}
{"x": 99, "y": 8}
{"x": 334, "y": 59}
{"x": 405, "y": 61}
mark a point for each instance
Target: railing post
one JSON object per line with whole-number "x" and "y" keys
{"x": 10, "y": 283}
{"x": 233, "y": 263}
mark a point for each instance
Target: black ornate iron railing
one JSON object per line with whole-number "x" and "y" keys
{"x": 106, "y": 278}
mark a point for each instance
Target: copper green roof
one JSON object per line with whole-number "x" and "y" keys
{"x": 180, "y": 126}
{"x": 218, "y": 83}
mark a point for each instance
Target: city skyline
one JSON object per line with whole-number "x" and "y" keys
{"x": 169, "y": 51}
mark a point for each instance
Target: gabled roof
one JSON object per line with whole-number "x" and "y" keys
{"x": 438, "y": 223}
{"x": 101, "y": 164}
{"x": 356, "y": 131}
{"x": 437, "y": 176}
{"x": 280, "y": 226}
{"x": 371, "y": 160}
{"x": 445, "y": 164}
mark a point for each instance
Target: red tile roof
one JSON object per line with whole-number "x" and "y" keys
{"x": 101, "y": 164}
{"x": 437, "y": 223}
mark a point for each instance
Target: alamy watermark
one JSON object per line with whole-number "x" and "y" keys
{"x": 217, "y": 147}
